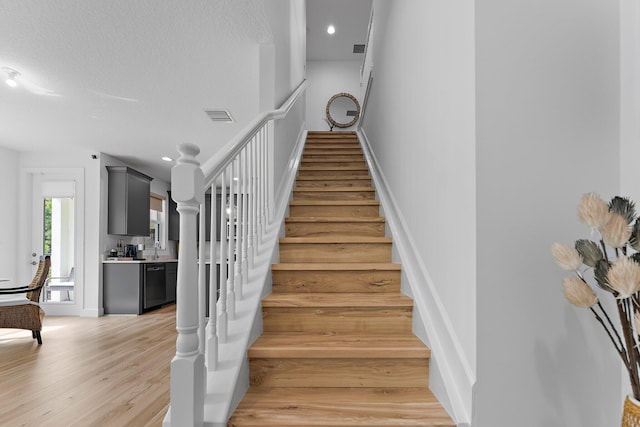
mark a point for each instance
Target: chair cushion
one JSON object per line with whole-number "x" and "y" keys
{"x": 11, "y": 300}
{"x": 61, "y": 286}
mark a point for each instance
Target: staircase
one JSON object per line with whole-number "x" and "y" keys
{"x": 337, "y": 347}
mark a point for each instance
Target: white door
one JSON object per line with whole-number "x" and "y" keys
{"x": 55, "y": 233}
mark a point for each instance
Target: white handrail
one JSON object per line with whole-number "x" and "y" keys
{"x": 241, "y": 172}
{"x": 214, "y": 165}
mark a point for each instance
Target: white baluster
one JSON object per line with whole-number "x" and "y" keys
{"x": 231, "y": 297}
{"x": 202, "y": 280}
{"x": 237, "y": 279}
{"x": 212, "y": 337}
{"x": 254, "y": 195}
{"x": 187, "y": 367}
{"x": 223, "y": 326}
{"x": 259, "y": 173}
{"x": 245, "y": 218}
{"x": 250, "y": 204}
{"x": 267, "y": 175}
{"x": 263, "y": 183}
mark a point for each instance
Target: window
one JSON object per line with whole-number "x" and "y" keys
{"x": 157, "y": 223}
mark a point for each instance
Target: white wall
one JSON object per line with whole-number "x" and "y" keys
{"x": 286, "y": 134}
{"x": 630, "y": 98}
{"x": 287, "y": 20}
{"x": 9, "y": 217}
{"x": 548, "y": 120}
{"x": 326, "y": 78}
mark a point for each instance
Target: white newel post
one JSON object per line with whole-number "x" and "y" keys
{"x": 187, "y": 367}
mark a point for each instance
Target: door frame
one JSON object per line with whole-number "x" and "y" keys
{"x": 62, "y": 174}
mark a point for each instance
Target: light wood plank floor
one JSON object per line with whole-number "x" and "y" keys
{"x": 108, "y": 371}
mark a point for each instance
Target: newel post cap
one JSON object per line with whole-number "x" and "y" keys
{"x": 187, "y": 179}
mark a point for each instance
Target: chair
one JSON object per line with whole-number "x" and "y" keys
{"x": 24, "y": 312}
{"x": 60, "y": 288}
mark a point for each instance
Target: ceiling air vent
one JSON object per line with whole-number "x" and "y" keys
{"x": 358, "y": 48}
{"x": 219, "y": 115}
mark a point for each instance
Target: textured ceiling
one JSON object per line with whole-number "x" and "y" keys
{"x": 128, "y": 78}
{"x": 131, "y": 78}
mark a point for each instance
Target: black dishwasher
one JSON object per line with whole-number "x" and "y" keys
{"x": 155, "y": 290}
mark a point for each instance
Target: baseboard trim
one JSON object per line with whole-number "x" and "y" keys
{"x": 92, "y": 312}
{"x": 452, "y": 365}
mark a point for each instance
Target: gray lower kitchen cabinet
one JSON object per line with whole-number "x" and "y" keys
{"x": 133, "y": 288}
{"x": 122, "y": 288}
{"x": 172, "y": 281}
{"x": 129, "y": 192}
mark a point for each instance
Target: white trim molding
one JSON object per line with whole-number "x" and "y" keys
{"x": 451, "y": 363}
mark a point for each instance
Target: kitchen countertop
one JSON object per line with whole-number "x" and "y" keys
{"x": 139, "y": 261}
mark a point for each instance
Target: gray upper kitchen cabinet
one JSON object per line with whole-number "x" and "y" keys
{"x": 129, "y": 192}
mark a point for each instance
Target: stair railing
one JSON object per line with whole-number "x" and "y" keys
{"x": 241, "y": 172}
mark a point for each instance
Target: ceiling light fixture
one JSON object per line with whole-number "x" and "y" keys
{"x": 12, "y": 74}
{"x": 167, "y": 159}
{"x": 331, "y": 29}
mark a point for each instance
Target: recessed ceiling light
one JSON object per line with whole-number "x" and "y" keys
{"x": 331, "y": 29}
{"x": 167, "y": 159}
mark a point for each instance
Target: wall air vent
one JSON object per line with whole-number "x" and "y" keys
{"x": 358, "y": 48}
{"x": 219, "y": 115}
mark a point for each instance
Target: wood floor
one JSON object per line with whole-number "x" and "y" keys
{"x": 337, "y": 348}
{"x": 108, "y": 371}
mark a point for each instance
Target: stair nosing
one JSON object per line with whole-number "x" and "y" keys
{"x": 332, "y": 219}
{"x": 334, "y": 202}
{"x": 346, "y": 266}
{"x": 345, "y": 299}
{"x": 337, "y": 346}
{"x": 336, "y": 239}
{"x": 335, "y": 189}
{"x": 332, "y": 177}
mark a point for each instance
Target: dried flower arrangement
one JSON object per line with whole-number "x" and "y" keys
{"x": 615, "y": 260}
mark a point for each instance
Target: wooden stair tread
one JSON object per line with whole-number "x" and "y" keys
{"x": 331, "y": 135}
{"x": 354, "y": 158}
{"x": 334, "y": 202}
{"x": 330, "y": 168}
{"x": 337, "y": 346}
{"x": 333, "y": 158}
{"x": 340, "y": 407}
{"x": 343, "y": 137}
{"x": 314, "y": 219}
{"x": 336, "y": 239}
{"x": 332, "y": 177}
{"x": 342, "y": 266}
{"x": 323, "y": 151}
{"x": 328, "y": 300}
{"x": 333, "y": 189}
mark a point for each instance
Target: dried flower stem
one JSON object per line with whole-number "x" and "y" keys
{"x": 632, "y": 351}
{"x": 615, "y": 330}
